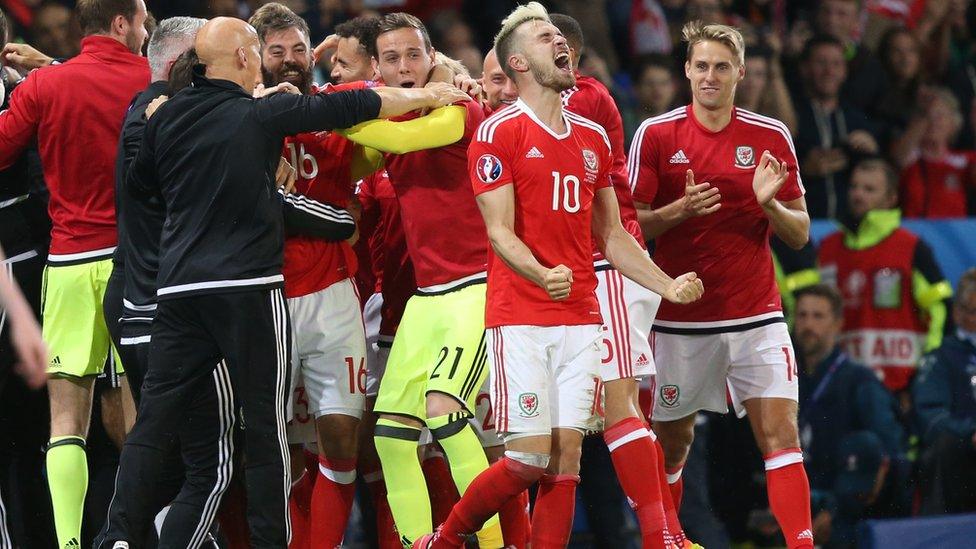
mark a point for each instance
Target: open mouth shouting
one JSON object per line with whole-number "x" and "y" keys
{"x": 562, "y": 61}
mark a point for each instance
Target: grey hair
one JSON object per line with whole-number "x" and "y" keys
{"x": 171, "y": 38}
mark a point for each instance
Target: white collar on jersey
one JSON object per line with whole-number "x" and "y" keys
{"x": 519, "y": 104}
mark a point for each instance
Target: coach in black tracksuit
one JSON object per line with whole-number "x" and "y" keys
{"x": 212, "y": 152}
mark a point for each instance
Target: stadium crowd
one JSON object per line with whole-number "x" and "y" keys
{"x": 869, "y": 104}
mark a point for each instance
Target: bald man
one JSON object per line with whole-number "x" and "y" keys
{"x": 211, "y": 153}
{"x": 498, "y": 89}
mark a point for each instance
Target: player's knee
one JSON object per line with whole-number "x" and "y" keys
{"x": 776, "y": 436}
{"x": 676, "y": 440}
{"x": 532, "y": 465}
{"x": 338, "y": 435}
{"x": 567, "y": 462}
{"x": 439, "y": 404}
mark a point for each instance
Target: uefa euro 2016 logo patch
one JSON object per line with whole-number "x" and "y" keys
{"x": 489, "y": 168}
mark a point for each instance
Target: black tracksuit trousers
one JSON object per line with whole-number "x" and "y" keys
{"x": 247, "y": 335}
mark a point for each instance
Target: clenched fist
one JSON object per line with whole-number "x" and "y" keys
{"x": 687, "y": 288}
{"x": 558, "y": 282}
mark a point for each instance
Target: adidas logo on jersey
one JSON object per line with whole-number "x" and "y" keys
{"x": 534, "y": 153}
{"x": 679, "y": 158}
{"x": 806, "y": 534}
{"x": 642, "y": 360}
{"x": 56, "y": 361}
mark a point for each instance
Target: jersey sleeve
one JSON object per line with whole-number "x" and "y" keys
{"x": 18, "y": 124}
{"x": 606, "y": 166}
{"x": 473, "y": 117}
{"x": 490, "y": 162}
{"x": 784, "y": 150}
{"x": 642, "y": 165}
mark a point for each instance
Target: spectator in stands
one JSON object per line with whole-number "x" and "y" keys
{"x": 839, "y": 400}
{"x": 866, "y": 79}
{"x": 894, "y": 292}
{"x": 945, "y": 409}
{"x": 936, "y": 181}
{"x": 763, "y": 89}
{"x": 55, "y": 31}
{"x": 655, "y": 92}
{"x": 832, "y": 134}
{"x": 902, "y": 59}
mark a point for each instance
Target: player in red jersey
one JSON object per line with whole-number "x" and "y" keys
{"x": 541, "y": 175}
{"x": 329, "y": 349}
{"x": 628, "y": 311}
{"x": 737, "y": 336}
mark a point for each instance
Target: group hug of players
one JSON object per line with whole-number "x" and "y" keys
{"x": 515, "y": 305}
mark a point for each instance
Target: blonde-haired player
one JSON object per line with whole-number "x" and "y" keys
{"x": 542, "y": 179}
{"x": 735, "y": 340}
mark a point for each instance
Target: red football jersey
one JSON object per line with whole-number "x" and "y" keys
{"x": 391, "y": 263}
{"x": 937, "y": 188}
{"x": 555, "y": 179}
{"x": 444, "y": 230}
{"x": 323, "y": 161}
{"x": 729, "y": 249}
{"x": 589, "y": 98}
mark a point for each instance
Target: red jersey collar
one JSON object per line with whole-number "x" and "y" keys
{"x": 100, "y": 44}
{"x": 690, "y": 111}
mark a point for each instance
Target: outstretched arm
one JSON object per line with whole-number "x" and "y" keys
{"x": 441, "y": 127}
{"x": 625, "y": 255}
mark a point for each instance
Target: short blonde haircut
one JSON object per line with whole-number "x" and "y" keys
{"x": 696, "y": 32}
{"x": 456, "y": 66}
{"x": 504, "y": 40}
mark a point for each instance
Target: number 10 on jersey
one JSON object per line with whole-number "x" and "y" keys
{"x": 565, "y": 190}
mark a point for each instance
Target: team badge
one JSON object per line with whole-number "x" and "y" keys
{"x": 745, "y": 157}
{"x": 887, "y": 289}
{"x": 670, "y": 395}
{"x": 528, "y": 404}
{"x": 590, "y": 159}
{"x": 489, "y": 168}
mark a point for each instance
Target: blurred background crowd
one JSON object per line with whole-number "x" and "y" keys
{"x": 880, "y": 96}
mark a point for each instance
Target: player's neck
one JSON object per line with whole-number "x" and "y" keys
{"x": 714, "y": 120}
{"x": 547, "y": 105}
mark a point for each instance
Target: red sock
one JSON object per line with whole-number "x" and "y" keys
{"x": 504, "y": 480}
{"x": 634, "y": 455}
{"x": 335, "y": 490}
{"x": 552, "y": 520}
{"x": 789, "y": 496}
{"x": 299, "y": 507}
{"x": 440, "y": 486}
{"x": 514, "y": 518}
{"x": 667, "y": 498}
{"x": 386, "y": 533}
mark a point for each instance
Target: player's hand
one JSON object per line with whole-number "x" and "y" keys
{"x": 31, "y": 350}
{"x": 285, "y": 87}
{"x": 468, "y": 85}
{"x": 687, "y": 288}
{"x": 154, "y": 105}
{"x": 24, "y": 57}
{"x": 331, "y": 42}
{"x": 442, "y": 94}
{"x": 700, "y": 199}
{"x": 862, "y": 142}
{"x": 558, "y": 282}
{"x": 285, "y": 176}
{"x": 769, "y": 178}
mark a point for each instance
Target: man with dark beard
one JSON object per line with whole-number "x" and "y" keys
{"x": 80, "y": 180}
{"x": 329, "y": 350}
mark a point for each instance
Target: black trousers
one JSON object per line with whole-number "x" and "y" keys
{"x": 247, "y": 335}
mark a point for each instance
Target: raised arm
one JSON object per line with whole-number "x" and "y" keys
{"x": 626, "y": 255}
{"x": 286, "y": 114}
{"x": 788, "y": 218}
{"x": 18, "y": 124}
{"x": 316, "y": 219}
{"x": 441, "y": 127}
{"x": 498, "y": 209}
